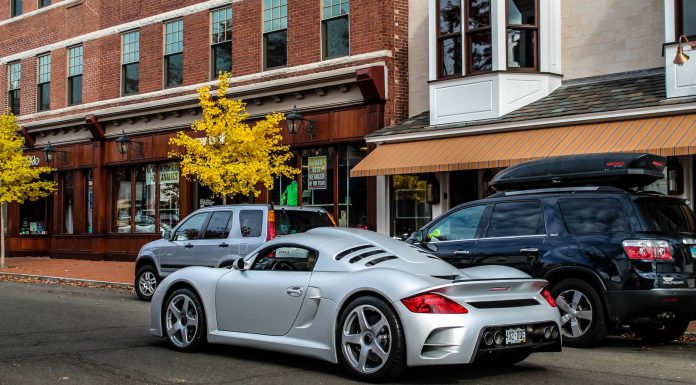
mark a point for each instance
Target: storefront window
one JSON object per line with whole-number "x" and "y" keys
{"x": 121, "y": 198}
{"x": 285, "y": 190}
{"x": 352, "y": 192}
{"x": 33, "y": 217}
{"x": 89, "y": 202}
{"x": 169, "y": 195}
{"x": 411, "y": 208}
{"x": 204, "y": 197}
{"x": 67, "y": 183}
{"x": 145, "y": 212}
{"x": 318, "y": 178}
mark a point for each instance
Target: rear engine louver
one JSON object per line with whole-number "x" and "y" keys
{"x": 365, "y": 255}
{"x": 380, "y": 260}
{"x": 504, "y": 304}
{"x": 343, "y": 253}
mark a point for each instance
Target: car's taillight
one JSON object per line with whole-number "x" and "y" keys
{"x": 548, "y": 297}
{"x": 433, "y": 303}
{"x": 648, "y": 250}
{"x": 270, "y": 229}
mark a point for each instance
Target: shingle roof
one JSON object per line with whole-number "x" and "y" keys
{"x": 581, "y": 96}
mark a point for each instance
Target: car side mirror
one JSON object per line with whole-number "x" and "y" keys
{"x": 418, "y": 236}
{"x": 167, "y": 234}
{"x": 239, "y": 264}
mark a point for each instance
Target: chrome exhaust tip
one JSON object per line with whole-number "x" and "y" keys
{"x": 498, "y": 337}
{"x": 488, "y": 338}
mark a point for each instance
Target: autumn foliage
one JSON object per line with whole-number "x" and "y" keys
{"x": 233, "y": 156}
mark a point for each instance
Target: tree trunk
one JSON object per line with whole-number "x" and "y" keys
{"x": 2, "y": 235}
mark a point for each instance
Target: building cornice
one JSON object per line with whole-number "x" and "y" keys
{"x": 38, "y": 11}
{"x": 452, "y": 131}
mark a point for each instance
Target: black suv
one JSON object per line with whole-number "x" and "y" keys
{"x": 612, "y": 256}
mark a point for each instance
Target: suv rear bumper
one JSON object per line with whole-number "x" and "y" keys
{"x": 634, "y": 305}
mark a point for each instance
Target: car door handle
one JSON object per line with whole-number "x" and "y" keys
{"x": 223, "y": 245}
{"x": 294, "y": 291}
{"x": 462, "y": 252}
{"x": 188, "y": 246}
{"x": 529, "y": 250}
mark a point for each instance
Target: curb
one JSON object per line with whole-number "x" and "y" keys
{"x": 45, "y": 278}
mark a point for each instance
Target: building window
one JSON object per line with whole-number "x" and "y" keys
{"x": 43, "y": 84}
{"x": 15, "y": 78}
{"x": 686, "y": 18}
{"x": 134, "y": 198}
{"x": 44, "y": 3}
{"x": 275, "y": 36}
{"x": 221, "y": 42}
{"x": 15, "y": 8}
{"x": 130, "y": 62}
{"x": 522, "y": 30}
{"x": 68, "y": 190}
{"x": 478, "y": 36}
{"x": 411, "y": 208}
{"x": 75, "y": 55}
{"x": 33, "y": 216}
{"x": 449, "y": 41}
{"x": 173, "y": 53}
{"x": 336, "y": 28}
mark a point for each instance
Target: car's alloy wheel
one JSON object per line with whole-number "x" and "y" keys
{"x": 147, "y": 283}
{"x": 366, "y": 339}
{"x": 576, "y": 313}
{"x": 182, "y": 320}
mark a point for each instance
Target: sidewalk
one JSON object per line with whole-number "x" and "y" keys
{"x": 101, "y": 273}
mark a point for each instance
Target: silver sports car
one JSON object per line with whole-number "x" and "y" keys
{"x": 361, "y": 299}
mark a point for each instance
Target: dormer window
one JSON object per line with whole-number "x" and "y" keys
{"x": 522, "y": 31}
{"x": 686, "y": 18}
{"x": 478, "y": 36}
{"x": 449, "y": 38}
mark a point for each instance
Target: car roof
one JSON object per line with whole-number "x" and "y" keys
{"x": 262, "y": 205}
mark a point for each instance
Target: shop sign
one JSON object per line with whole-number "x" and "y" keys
{"x": 169, "y": 173}
{"x": 150, "y": 175}
{"x": 316, "y": 174}
{"x": 33, "y": 160}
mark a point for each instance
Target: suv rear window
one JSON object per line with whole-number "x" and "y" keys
{"x": 668, "y": 215}
{"x": 299, "y": 221}
{"x": 515, "y": 219}
{"x": 590, "y": 216}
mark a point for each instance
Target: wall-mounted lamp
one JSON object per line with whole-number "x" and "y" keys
{"x": 50, "y": 152}
{"x": 124, "y": 142}
{"x": 680, "y": 58}
{"x": 296, "y": 121}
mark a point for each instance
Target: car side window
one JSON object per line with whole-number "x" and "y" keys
{"x": 515, "y": 219}
{"x": 219, "y": 225}
{"x": 285, "y": 258}
{"x": 191, "y": 228}
{"x": 459, "y": 225}
{"x": 588, "y": 216}
{"x": 251, "y": 222}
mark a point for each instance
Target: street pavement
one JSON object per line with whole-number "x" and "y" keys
{"x": 52, "y": 334}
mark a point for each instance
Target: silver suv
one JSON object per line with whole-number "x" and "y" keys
{"x": 216, "y": 236}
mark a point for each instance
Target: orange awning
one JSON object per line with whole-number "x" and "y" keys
{"x": 667, "y": 136}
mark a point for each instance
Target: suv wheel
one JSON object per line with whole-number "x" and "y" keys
{"x": 583, "y": 318}
{"x": 146, "y": 281}
{"x": 661, "y": 332}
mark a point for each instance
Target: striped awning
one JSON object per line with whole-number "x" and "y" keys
{"x": 666, "y": 136}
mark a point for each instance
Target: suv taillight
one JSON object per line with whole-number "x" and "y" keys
{"x": 648, "y": 250}
{"x": 270, "y": 229}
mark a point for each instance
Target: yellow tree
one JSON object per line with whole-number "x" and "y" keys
{"x": 233, "y": 156}
{"x": 19, "y": 181}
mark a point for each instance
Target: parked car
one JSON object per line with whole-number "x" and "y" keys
{"x": 361, "y": 299}
{"x": 613, "y": 256}
{"x": 216, "y": 236}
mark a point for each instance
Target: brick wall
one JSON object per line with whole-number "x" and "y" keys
{"x": 374, "y": 26}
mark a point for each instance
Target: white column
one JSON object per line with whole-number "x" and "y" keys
{"x": 670, "y": 21}
{"x": 550, "y": 36}
{"x": 432, "y": 46}
{"x": 443, "y": 206}
{"x": 383, "y": 204}
{"x": 499, "y": 35}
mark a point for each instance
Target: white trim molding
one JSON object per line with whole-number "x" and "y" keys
{"x": 118, "y": 28}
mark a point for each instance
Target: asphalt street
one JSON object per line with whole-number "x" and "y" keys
{"x": 51, "y": 334}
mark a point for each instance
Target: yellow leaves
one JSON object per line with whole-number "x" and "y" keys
{"x": 233, "y": 157}
{"x": 19, "y": 181}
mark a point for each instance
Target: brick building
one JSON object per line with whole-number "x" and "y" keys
{"x": 80, "y": 73}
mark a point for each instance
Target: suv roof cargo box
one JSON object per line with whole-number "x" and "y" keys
{"x": 609, "y": 169}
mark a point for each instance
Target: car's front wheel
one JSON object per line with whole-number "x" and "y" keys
{"x": 661, "y": 332}
{"x": 583, "y": 319}
{"x": 146, "y": 280}
{"x": 370, "y": 340}
{"x": 184, "y": 321}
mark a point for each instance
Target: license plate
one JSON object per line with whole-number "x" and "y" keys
{"x": 515, "y": 336}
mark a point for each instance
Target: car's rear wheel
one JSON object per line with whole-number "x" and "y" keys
{"x": 370, "y": 340}
{"x": 184, "y": 321}
{"x": 146, "y": 280}
{"x": 661, "y": 332}
{"x": 583, "y": 318}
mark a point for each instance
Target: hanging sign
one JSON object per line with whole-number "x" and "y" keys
{"x": 33, "y": 160}
{"x": 316, "y": 173}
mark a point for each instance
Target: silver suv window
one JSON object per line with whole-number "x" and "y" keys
{"x": 219, "y": 225}
{"x": 191, "y": 228}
